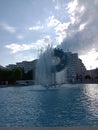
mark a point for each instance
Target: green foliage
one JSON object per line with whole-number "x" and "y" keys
{"x": 30, "y": 75}
{"x": 10, "y": 75}
{"x": 16, "y": 74}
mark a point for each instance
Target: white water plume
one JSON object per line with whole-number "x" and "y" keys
{"x": 43, "y": 67}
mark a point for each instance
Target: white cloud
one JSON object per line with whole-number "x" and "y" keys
{"x": 82, "y": 34}
{"x": 82, "y": 26}
{"x": 8, "y": 27}
{"x": 52, "y": 22}
{"x": 57, "y": 7}
{"x": 14, "y": 47}
{"x": 41, "y": 43}
{"x": 89, "y": 59}
{"x": 57, "y": 4}
{"x": 59, "y": 27}
{"x": 19, "y": 47}
{"x": 61, "y": 36}
{"x": 71, "y": 7}
{"x": 60, "y": 30}
{"x": 38, "y": 27}
{"x": 20, "y": 36}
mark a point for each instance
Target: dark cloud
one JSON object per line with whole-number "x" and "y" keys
{"x": 85, "y": 39}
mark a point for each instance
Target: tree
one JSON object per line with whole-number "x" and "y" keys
{"x": 87, "y": 77}
{"x": 17, "y": 74}
{"x": 5, "y": 75}
{"x": 30, "y": 75}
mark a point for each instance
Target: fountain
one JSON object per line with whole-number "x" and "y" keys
{"x": 43, "y": 67}
{"x": 50, "y": 63}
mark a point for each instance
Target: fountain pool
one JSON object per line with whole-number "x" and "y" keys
{"x": 70, "y": 105}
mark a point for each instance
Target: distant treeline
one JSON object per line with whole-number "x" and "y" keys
{"x": 11, "y": 76}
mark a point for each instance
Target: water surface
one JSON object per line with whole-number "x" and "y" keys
{"x": 72, "y": 105}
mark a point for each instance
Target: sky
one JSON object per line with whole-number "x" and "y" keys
{"x": 26, "y": 26}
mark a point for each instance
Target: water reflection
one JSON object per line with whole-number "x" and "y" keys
{"x": 72, "y": 105}
{"x": 91, "y": 92}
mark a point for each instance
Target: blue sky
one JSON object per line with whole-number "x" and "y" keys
{"x": 26, "y": 26}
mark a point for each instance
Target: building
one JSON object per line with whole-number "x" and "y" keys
{"x": 74, "y": 70}
{"x": 92, "y": 75}
{"x": 26, "y": 65}
{"x": 75, "y": 67}
{"x": 11, "y": 66}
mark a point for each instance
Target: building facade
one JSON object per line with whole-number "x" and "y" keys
{"x": 75, "y": 69}
{"x": 26, "y": 65}
{"x": 73, "y": 72}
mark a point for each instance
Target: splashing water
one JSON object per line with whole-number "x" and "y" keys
{"x": 43, "y": 67}
{"x": 50, "y": 68}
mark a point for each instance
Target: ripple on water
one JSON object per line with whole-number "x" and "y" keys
{"x": 72, "y": 105}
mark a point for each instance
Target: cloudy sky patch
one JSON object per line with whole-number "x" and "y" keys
{"x": 27, "y": 26}
{"x": 7, "y": 27}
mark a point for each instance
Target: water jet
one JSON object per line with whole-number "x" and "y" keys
{"x": 50, "y": 65}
